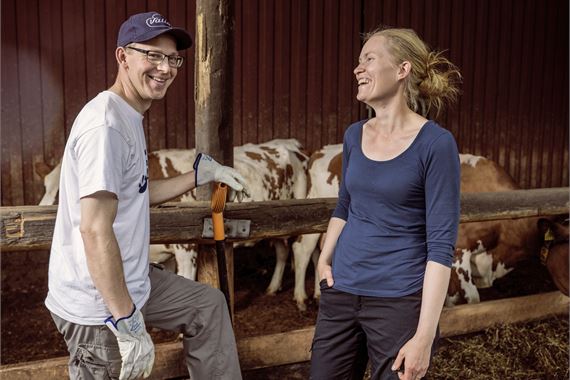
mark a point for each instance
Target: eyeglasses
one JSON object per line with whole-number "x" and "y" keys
{"x": 156, "y": 58}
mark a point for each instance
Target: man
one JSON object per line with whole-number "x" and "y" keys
{"x": 101, "y": 287}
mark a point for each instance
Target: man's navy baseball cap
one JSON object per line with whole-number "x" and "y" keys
{"x": 145, "y": 26}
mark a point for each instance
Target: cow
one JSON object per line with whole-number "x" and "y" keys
{"x": 323, "y": 180}
{"x": 485, "y": 251}
{"x": 273, "y": 170}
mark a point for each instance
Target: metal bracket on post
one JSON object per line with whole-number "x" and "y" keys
{"x": 233, "y": 228}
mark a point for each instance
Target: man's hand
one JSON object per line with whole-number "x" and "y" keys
{"x": 208, "y": 170}
{"x": 135, "y": 345}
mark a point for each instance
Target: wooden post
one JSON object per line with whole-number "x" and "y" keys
{"x": 213, "y": 103}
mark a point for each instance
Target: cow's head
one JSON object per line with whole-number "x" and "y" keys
{"x": 555, "y": 253}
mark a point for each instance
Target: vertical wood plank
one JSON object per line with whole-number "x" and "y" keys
{"x": 330, "y": 91}
{"x": 541, "y": 84}
{"x": 503, "y": 68}
{"x": 481, "y": 50}
{"x": 31, "y": 117}
{"x": 95, "y": 49}
{"x": 347, "y": 58}
{"x": 282, "y": 64}
{"x": 357, "y": 108}
{"x": 403, "y": 10}
{"x": 12, "y": 182}
{"x": 115, "y": 15}
{"x": 189, "y": 66}
{"x": 559, "y": 108}
{"x": 51, "y": 58}
{"x": 299, "y": 73}
{"x": 315, "y": 76}
{"x": 177, "y": 95}
{"x": 524, "y": 100}
{"x": 213, "y": 102}
{"x": 250, "y": 70}
{"x": 452, "y": 35}
{"x": 74, "y": 69}
{"x": 266, "y": 70}
{"x": 515, "y": 77}
{"x": 417, "y": 11}
{"x": 238, "y": 74}
{"x": 390, "y": 13}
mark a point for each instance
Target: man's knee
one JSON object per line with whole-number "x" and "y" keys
{"x": 217, "y": 298}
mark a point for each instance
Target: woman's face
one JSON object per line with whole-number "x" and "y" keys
{"x": 376, "y": 73}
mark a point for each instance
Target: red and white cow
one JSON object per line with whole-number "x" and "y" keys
{"x": 485, "y": 251}
{"x": 324, "y": 172}
{"x": 273, "y": 170}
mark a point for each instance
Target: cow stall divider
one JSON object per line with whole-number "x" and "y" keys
{"x": 28, "y": 228}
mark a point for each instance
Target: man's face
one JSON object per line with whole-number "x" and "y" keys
{"x": 151, "y": 80}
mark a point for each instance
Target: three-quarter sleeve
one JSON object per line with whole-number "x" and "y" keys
{"x": 341, "y": 210}
{"x": 442, "y": 196}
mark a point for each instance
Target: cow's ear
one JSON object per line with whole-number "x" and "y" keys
{"x": 543, "y": 225}
{"x": 42, "y": 169}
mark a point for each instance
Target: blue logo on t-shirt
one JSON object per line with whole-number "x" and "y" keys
{"x": 143, "y": 184}
{"x": 144, "y": 180}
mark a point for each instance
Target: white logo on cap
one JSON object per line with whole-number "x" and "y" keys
{"x": 157, "y": 21}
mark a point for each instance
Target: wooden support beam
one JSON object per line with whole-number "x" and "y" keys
{"x": 25, "y": 228}
{"x": 213, "y": 109}
{"x": 293, "y": 346}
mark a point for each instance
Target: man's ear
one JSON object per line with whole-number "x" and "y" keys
{"x": 121, "y": 56}
{"x": 404, "y": 69}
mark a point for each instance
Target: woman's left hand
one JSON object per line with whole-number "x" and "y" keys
{"x": 415, "y": 356}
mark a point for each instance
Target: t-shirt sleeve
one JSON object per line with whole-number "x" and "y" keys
{"x": 101, "y": 155}
{"x": 341, "y": 210}
{"x": 442, "y": 187}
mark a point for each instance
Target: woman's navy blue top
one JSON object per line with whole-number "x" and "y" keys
{"x": 399, "y": 213}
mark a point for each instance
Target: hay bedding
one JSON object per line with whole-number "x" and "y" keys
{"x": 537, "y": 350}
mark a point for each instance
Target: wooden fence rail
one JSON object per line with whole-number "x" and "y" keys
{"x": 30, "y": 227}
{"x": 27, "y": 228}
{"x": 293, "y": 347}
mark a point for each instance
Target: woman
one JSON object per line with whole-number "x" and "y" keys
{"x": 385, "y": 262}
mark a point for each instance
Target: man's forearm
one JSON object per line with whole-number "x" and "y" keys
{"x": 162, "y": 190}
{"x": 106, "y": 269}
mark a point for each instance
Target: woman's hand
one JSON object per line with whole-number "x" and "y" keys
{"x": 415, "y": 355}
{"x": 325, "y": 272}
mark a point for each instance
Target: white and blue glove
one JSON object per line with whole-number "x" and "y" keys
{"x": 135, "y": 345}
{"x": 207, "y": 170}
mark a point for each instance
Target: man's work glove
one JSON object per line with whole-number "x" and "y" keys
{"x": 207, "y": 170}
{"x": 135, "y": 345}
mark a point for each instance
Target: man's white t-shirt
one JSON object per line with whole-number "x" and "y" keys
{"x": 105, "y": 151}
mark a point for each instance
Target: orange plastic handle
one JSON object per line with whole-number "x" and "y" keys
{"x": 218, "y": 204}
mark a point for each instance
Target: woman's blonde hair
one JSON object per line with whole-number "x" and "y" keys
{"x": 433, "y": 80}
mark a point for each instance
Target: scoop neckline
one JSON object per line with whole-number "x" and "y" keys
{"x": 399, "y": 155}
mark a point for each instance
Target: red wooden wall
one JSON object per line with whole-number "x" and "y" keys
{"x": 293, "y": 76}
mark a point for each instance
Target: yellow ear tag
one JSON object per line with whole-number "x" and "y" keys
{"x": 548, "y": 235}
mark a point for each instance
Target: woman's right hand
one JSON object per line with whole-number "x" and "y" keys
{"x": 325, "y": 272}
